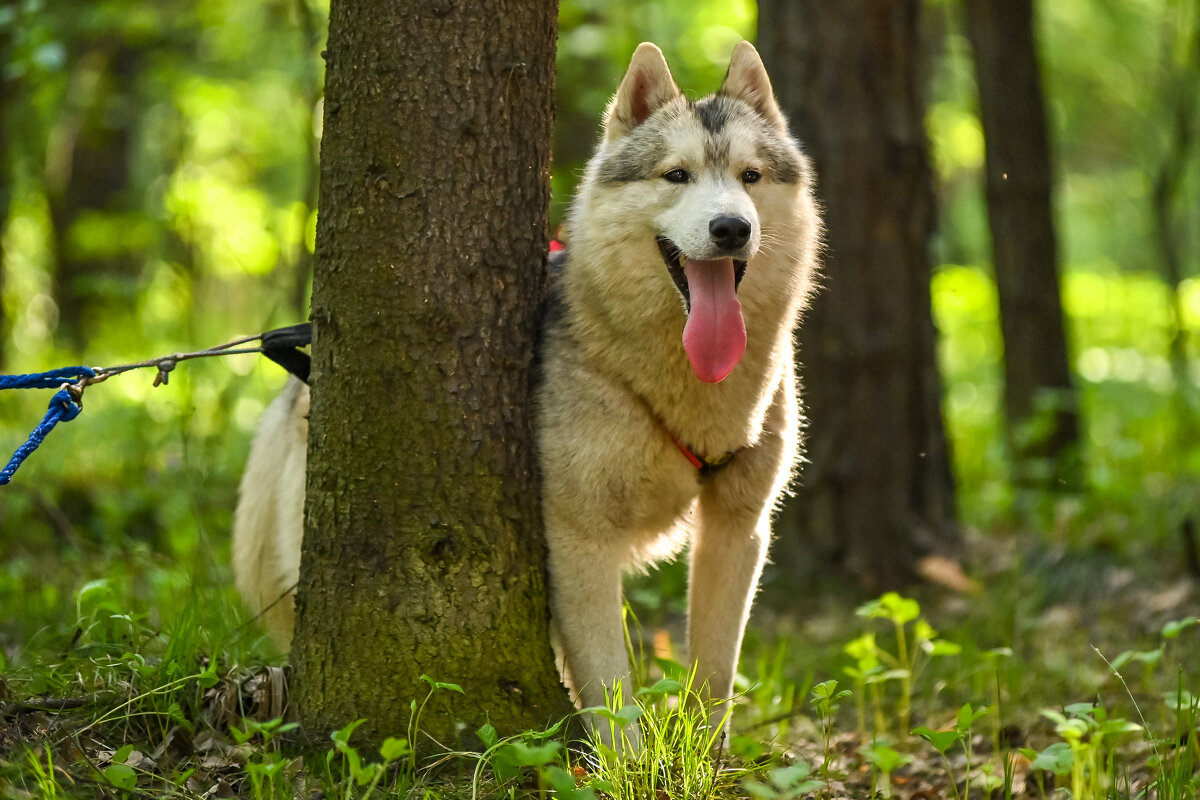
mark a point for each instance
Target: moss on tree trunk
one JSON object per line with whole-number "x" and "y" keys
{"x": 423, "y": 549}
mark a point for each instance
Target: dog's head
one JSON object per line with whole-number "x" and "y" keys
{"x": 699, "y": 182}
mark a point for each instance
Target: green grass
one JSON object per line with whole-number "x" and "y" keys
{"x": 123, "y": 702}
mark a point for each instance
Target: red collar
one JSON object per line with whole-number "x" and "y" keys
{"x": 705, "y": 466}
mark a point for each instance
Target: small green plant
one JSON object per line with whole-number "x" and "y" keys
{"x": 266, "y": 767}
{"x": 825, "y": 697}
{"x": 1151, "y": 659}
{"x": 960, "y": 734}
{"x": 785, "y": 783}
{"x": 876, "y": 665}
{"x": 885, "y": 760}
{"x": 414, "y": 716}
{"x": 363, "y": 774}
{"x": 1178, "y": 778}
{"x": 513, "y": 758}
{"x": 1090, "y": 737}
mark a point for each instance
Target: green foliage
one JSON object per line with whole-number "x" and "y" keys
{"x": 784, "y": 783}
{"x": 266, "y": 767}
{"x": 679, "y": 756}
{"x": 875, "y": 665}
{"x": 1090, "y": 735}
{"x": 959, "y": 735}
{"x": 824, "y": 700}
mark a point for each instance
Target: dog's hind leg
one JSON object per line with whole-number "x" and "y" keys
{"x": 585, "y": 602}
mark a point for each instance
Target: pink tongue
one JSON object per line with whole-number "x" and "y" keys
{"x": 714, "y": 337}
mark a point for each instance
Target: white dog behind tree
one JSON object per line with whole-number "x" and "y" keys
{"x": 667, "y": 404}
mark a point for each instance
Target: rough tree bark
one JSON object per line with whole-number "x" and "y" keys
{"x": 1040, "y": 403}
{"x": 423, "y": 548}
{"x": 877, "y": 494}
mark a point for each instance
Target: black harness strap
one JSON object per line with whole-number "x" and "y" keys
{"x": 282, "y": 346}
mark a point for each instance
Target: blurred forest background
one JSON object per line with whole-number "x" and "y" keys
{"x": 158, "y": 194}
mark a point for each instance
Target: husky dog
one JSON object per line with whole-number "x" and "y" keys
{"x": 667, "y": 410}
{"x": 667, "y": 407}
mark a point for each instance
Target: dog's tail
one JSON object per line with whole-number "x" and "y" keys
{"x": 268, "y": 522}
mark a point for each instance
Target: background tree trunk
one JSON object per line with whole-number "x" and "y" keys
{"x": 1040, "y": 403}
{"x": 877, "y": 494}
{"x": 423, "y": 549}
{"x": 88, "y": 176}
{"x": 8, "y": 157}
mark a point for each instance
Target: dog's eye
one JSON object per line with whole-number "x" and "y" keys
{"x": 751, "y": 176}
{"x": 677, "y": 176}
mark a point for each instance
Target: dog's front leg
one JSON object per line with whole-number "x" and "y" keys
{"x": 727, "y": 555}
{"x": 585, "y": 604}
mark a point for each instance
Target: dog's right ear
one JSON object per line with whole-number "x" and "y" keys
{"x": 647, "y": 86}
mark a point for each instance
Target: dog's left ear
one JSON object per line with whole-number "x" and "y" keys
{"x": 747, "y": 81}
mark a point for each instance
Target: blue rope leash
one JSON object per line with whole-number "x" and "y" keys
{"x": 280, "y": 345}
{"x": 46, "y": 380}
{"x": 64, "y": 407}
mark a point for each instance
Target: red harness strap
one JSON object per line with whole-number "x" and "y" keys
{"x": 705, "y": 466}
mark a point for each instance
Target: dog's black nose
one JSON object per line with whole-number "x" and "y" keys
{"x": 729, "y": 233}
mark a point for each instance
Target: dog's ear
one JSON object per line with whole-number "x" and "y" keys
{"x": 647, "y": 86}
{"x": 747, "y": 81}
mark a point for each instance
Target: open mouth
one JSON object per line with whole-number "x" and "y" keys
{"x": 714, "y": 336}
{"x": 676, "y": 261}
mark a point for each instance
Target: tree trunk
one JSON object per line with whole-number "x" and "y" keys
{"x": 423, "y": 546}
{"x": 1041, "y": 407}
{"x": 877, "y": 494}
{"x": 8, "y": 157}
{"x": 88, "y": 177}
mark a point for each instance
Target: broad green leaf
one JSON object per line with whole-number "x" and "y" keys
{"x": 967, "y": 717}
{"x": 663, "y": 686}
{"x": 1116, "y": 727}
{"x": 886, "y": 759}
{"x": 343, "y": 735}
{"x": 863, "y": 651}
{"x": 454, "y": 687}
{"x": 1056, "y": 758}
{"x": 1180, "y": 700}
{"x": 535, "y": 755}
{"x": 672, "y": 669}
{"x": 788, "y": 777}
{"x": 1081, "y": 709}
{"x": 487, "y": 734}
{"x": 563, "y": 783}
{"x": 1172, "y": 629}
{"x": 941, "y": 740}
{"x": 942, "y": 647}
{"x": 393, "y": 748}
{"x": 121, "y": 776}
{"x": 621, "y": 717}
{"x": 761, "y": 790}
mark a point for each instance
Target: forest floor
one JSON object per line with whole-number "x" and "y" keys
{"x": 1051, "y": 673}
